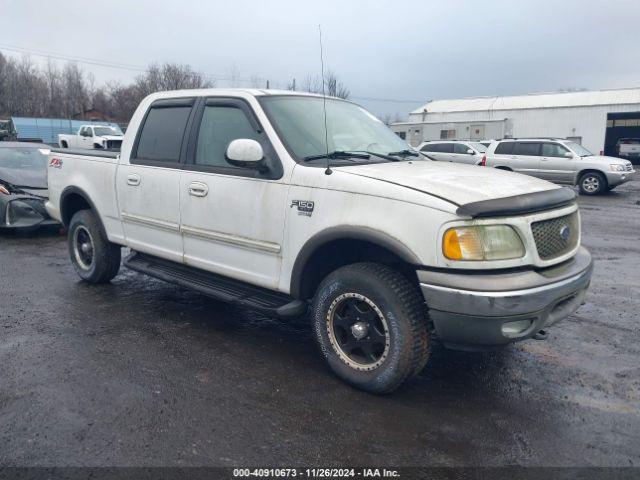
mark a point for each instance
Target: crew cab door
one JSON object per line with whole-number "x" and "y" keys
{"x": 148, "y": 186}
{"x": 232, "y": 217}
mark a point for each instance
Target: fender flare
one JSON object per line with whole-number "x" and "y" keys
{"x": 78, "y": 191}
{"x": 330, "y": 234}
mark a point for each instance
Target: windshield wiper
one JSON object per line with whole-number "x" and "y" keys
{"x": 336, "y": 154}
{"x": 405, "y": 153}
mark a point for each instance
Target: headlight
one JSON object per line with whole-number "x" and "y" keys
{"x": 482, "y": 242}
{"x": 616, "y": 167}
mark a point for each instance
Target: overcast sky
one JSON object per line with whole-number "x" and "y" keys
{"x": 395, "y": 50}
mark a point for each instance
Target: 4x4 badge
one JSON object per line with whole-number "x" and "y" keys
{"x": 305, "y": 207}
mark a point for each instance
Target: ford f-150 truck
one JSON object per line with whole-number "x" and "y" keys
{"x": 93, "y": 136}
{"x": 254, "y": 197}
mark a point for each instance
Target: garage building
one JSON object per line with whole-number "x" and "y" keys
{"x": 595, "y": 119}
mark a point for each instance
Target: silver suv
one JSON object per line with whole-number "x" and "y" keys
{"x": 560, "y": 161}
{"x": 459, "y": 151}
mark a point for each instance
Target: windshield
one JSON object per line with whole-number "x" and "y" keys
{"x": 102, "y": 131}
{"x": 299, "y": 121}
{"x": 478, "y": 147}
{"x": 22, "y": 166}
{"x": 578, "y": 149}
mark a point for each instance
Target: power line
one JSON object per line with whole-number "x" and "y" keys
{"x": 141, "y": 69}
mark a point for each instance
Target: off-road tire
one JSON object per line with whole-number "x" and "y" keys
{"x": 592, "y": 178}
{"x": 405, "y": 314}
{"x": 105, "y": 262}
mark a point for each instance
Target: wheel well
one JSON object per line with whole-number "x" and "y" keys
{"x": 63, "y": 144}
{"x": 338, "y": 253}
{"x": 71, "y": 204}
{"x": 505, "y": 168}
{"x": 591, "y": 170}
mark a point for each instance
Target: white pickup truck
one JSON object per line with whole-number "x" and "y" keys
{"x": 93, "y": 136}
{"x": 243, "y": 195}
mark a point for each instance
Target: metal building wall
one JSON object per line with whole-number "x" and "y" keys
{"x": 587, "y": 122}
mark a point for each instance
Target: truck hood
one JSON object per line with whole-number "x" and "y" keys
{"x": 458, "y": 184}
{"x": 112, "y": 137}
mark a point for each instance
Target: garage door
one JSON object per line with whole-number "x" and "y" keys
{"x": 623, "y": 133}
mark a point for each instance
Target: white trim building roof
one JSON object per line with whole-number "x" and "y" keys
{"x": 534, "y": 100}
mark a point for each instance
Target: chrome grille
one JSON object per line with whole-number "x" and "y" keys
{"x": 629, "y": 168}
{"x": 552, "y": 237}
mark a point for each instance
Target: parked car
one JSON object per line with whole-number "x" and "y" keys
{"x": 560, "y": 161}
{"x": 23, "y": 186}
{"x": 459, "y": 151}
{"x": 93, "y": 136}
{"x": 243, "y": 195}
{"x": 628, "y": 148}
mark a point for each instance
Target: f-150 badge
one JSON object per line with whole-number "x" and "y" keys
{"x": 305, "y": 207}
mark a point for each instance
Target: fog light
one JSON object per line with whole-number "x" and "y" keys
{"x": 513, "y": 329}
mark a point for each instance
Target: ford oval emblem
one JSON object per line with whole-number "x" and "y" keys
{"x": 565, "y": 232}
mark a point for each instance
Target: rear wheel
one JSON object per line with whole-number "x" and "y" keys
{"x": 95, "y": 259}
{"x": 370, "y": 323}
{"x": 592, "y": 183}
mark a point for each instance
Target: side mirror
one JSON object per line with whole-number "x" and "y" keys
{"x": 568, "y": 155}
{"x": 470, "y": 152}
{"x": 246, "y": 153}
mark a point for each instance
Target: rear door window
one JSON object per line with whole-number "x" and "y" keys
{"x": 163, "y": 133}
{"x": 526, "y": 149}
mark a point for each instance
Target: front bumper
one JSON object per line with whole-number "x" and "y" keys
{"x": 473, "y": 311}
{"x": 617, "y": 178}
{"x": 24, "y": 213}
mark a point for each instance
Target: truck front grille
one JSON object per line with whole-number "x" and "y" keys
{"x": 556, "y": 236}
{"x": 114, "y": 144}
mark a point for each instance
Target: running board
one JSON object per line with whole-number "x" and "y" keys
{"x": 217, "y": 286}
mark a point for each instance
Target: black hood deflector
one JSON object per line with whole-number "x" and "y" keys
{"x": 519, "y": 204}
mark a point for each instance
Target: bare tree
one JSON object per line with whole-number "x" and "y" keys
{"x": 335, "y": 88}
{"x": 255, "y": 81}
{"x": 333, "y": 85}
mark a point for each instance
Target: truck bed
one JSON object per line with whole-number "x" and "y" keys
{"x": 89, "y": 172}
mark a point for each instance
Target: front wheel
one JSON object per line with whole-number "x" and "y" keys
{"x": 592, "y": 183}
{"x": 95, "y": 259}
{"x": 370, "y": 323}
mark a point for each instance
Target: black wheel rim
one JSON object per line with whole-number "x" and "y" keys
{"x": 358, "y": 331}
{"x": 83, "y": 247}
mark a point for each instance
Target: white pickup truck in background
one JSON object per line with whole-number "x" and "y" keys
{"x": 257, "y": 198}
{"x": 107, "y": 137}
{"x": 629, "y": 148}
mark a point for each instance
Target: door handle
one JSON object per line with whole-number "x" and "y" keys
{"x": 133, "y": 180}
{"x": 198, "y": 189}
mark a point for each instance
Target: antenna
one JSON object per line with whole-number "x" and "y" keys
{"x": 328, "y": 171}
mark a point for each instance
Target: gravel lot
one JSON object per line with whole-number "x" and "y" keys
{"x": 140, "y": 372}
